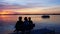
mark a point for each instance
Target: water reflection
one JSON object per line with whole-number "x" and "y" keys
{"x": 7, "y": 22}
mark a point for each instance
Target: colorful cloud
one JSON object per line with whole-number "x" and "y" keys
{"x": 30, "y": 6}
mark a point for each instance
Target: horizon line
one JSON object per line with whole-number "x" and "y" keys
{"x": 29, "y": 14}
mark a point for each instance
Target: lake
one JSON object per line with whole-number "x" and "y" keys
{"x": 7, "y": 22}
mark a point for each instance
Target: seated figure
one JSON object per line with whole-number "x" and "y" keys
{"x": 19, "y": 25}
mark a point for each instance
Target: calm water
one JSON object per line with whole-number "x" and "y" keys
{"x": 7, "y": 22}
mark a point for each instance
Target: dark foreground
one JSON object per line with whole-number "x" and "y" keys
{"x": 40, "y": 31}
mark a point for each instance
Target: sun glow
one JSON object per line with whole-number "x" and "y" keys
{"x": 29, "y": 10}
{"x": 36, "y": 10}
{"x": 7, "y": 12}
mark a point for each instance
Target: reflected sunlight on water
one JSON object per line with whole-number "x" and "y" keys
{"x": 7, "y": 22}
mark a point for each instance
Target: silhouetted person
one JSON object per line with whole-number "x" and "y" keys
{"x": 31, "y": 25}
{"x": 26, "y": 23}
{"x": 19, "y": 25}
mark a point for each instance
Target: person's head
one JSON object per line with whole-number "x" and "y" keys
{"x": 29, "y": 18}
{"x": 20, "y": 18}
{"x": 25, "y": 18}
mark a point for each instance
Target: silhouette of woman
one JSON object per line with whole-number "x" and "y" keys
{"x": 19, "y": 25}
{"x": 26, "y": 23}
{"x": 31, "y": 25}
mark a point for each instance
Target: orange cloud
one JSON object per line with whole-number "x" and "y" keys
{"x": 36, "y": 10}
{"x": 7, "y": 12}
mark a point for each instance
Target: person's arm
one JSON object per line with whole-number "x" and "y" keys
{"x": 33, "y": 23}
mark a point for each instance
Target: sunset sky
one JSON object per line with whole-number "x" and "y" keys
{"x": 29, "y": 6}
